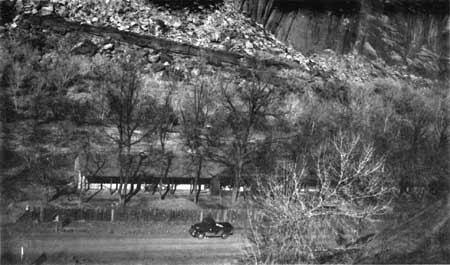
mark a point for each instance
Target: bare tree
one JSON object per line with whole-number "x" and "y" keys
{"x": 166, "y": 119}
{"x": 194, "y": 117}
{"x": 242, "y": 111}
{"x": 354, "y": 188}
{"x": 132, "y": 113}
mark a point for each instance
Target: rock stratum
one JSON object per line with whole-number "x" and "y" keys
{"x": 413, "y": 34}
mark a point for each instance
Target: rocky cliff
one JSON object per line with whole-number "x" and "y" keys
{"x": 414, "y": 34}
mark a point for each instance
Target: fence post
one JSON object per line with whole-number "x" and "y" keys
{"x": 41, "y": 214}
{"x": 218, "y": 215}
{"x": 225, "y": 213}
{"x": 201, "y": 215}
{"x": 112, "y": 215}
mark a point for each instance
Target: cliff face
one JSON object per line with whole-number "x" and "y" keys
{"x": 410, "y": 33}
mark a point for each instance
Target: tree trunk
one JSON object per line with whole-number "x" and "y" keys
{"x": 197, "y": 194}
{"x": 197, "y": 179}
{"x": 166, "y": 173}
{"x": 236, "y": 184}
{"x": 155, "y": 187}
{"x": 132, "y": 192}
{"x": 214, "y": 186}
{"x": 192, "y": 186}
{"x": 122, "y": 192}
{"x": 173, "y": 189}
{"x": 111, "y": 190}
{"x": 166, "y": 191}
{"x": 121, "y": 176}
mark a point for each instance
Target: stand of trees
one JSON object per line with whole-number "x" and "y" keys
{"x": 245, "y": 126}
{"x": 381, "y": 145}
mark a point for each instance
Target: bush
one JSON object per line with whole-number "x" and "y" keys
{"x": 294, "y": 226}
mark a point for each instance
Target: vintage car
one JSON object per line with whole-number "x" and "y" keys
{"x": 209, "y": 228}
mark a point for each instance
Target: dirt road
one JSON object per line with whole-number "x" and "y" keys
{"x": 71, "y": 249}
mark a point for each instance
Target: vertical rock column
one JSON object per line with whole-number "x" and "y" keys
{"x": 258, "y": 10}
{"x": 444, "y": 58}
{"x": 363, "y": 25}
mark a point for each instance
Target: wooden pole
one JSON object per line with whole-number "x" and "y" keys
{"x": 218, "y": 215}
{"x": 41, "y": 214}
{"x": 112, "y": 215}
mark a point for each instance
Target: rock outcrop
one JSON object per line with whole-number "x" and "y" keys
{"x": 414, "y": 34}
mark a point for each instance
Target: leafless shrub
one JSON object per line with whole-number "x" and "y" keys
{"x": 294, "y": 225}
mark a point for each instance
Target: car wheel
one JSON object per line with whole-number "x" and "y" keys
{"x": 224, "y": 235}
{"x": 201, "y": 235}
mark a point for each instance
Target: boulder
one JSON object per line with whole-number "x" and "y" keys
{"x": 86, "y": 47}
{"x": 158, "y": 67}
{"x": 165, "y": 58}
{"x": 160, "y": 26}
{"x": 177, "y": 24}
{"x": 369, "y": 51}
{"x": 62, "y": 11}
{"x": 108, "y": 47}
{"x": 396, "y": 58}
{"x": 153, "y": 58}
{"x": 47, "y": 10}
{"x": 216, "y": 36}
{"x": 249, "y": 45}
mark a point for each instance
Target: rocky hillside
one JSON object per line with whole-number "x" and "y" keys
{"x": 273, "y": 32}
{"x": 413, "y": 34}
{"x": 177, "y": 41}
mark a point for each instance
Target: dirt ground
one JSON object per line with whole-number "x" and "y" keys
{"x": 85, "y": 247}
{"x": 95, "y": 242}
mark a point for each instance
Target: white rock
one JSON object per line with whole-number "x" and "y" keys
{"x": 153, "y": 58}
{"x": 396, "y": 58}
{"x": 369, "y": 50}
{"x": 195, "y": 72}
{"x": 47, "y": 10}
{"x": 215, "y": 36}
{"x": 108, "y": 46}
{"x": 177, "y": 24}
{"x": 249, "y": 51}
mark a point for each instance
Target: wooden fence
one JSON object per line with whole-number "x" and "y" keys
{"x": 237, "y": 217}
